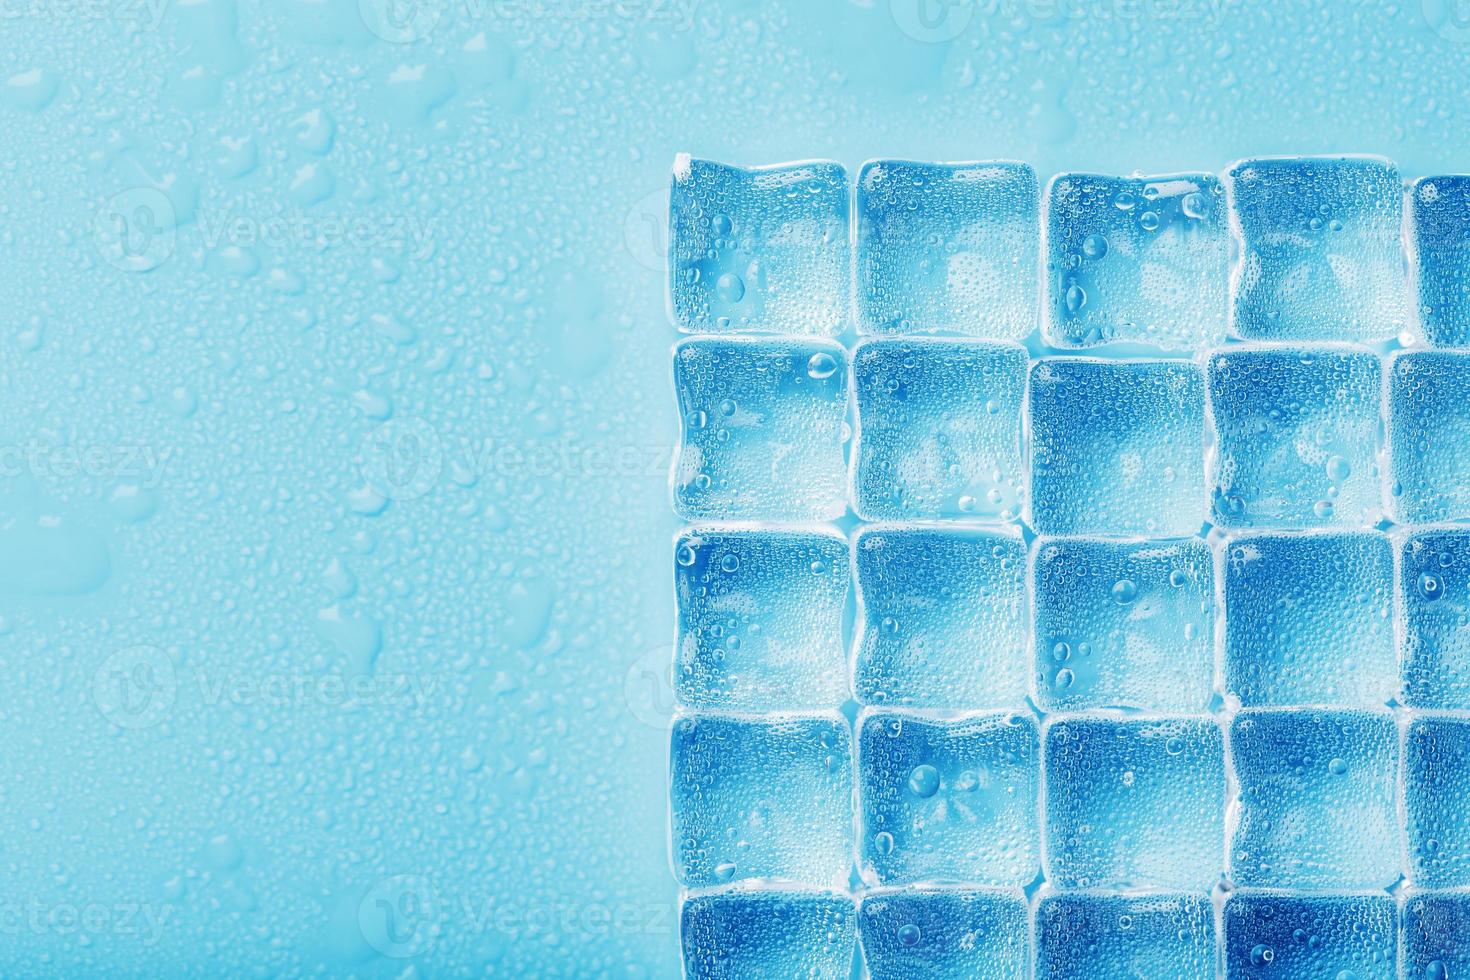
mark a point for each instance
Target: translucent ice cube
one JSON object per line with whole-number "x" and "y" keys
{"x": 763, "y": 249}
{"x": 1429, "y": 436}
{"x": 1137, "y": 259}
{"x": 1134, "y": 802}
{"x": 764, "y": 427}
{"x": 1434, "y": 609}
{"x": 761, "y": 797}
{"x": 1435, "y": 935}
{"x": 1322, "y": 253}
{"x": 943, "y": 933}
{"x": 941, "y": 617}
{"x": 938, "y": 429}
{"x": 1117, "y": 447}
{"x": 950, "y": 799}
{"x": 1437, "y": 800}
{"x": 1309, "y": 937}
{"x": 947, "y": 248}
{"x": 1123, "y": 624}
{"x": 1309, "y": 618}
{"x": 1296, "y": 436}
{"x": 738, "y": 933}
{"x": 1439, "y": 257}
{"x": 1315, "y": 807}
{"x": 1100, "y": 936}
{"x": 760, "y": 618}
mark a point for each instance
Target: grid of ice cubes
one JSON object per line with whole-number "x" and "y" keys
{"x": 1079, "y": 582}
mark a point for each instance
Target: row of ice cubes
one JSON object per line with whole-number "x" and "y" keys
{"x": 1319, "y": 242}
{"x": 967, "y": 933}
{"x": 1295, "y": 798}
{"x": 953, "y": 617}
{"x": 945, "y": 428}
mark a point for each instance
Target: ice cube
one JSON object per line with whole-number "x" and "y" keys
{"x": 938, "y": 429}
{"x": 948, "y": 799}
{"x": 1439, "y": 258}
{"x": 1134, "y": 802}
{"x": 1437, "y": 800}
{"x": 737, "y": 933}
{"x": 1322, "y": 253}
{"x": 1296, "y": 436}
{"x": 1334, "y": 937}
{"x": 760, "y": 618}
{"x": 1435, "y": 935}
{"x": 1117, "y": 447}
{"x": 1429, "y": 436}
{"x": 1315, "y": 805}
{"x": 1309, "y": 618}
{"x": 1100, "y": 936}
{"x": 941, "y": 933}
{"x": 1434, "y": 608}
{"x": 761, "y": 797}
{"x": 1142, "y": 259}
{"x": 764, "y": 428}
{"x": 1123, "y": 624}
{"x": 763, "y": 249}
{"x": 941, "y": 617}
{"x": 947, "y": 248}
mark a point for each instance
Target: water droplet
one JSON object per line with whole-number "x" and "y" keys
{"x": 1064, "y": 679}
{"x": 1124, "y": 591}
{"x": 1430, "y": 587}
{"x": 909, "y": 934}
{"x": 1174, "y": 746}
{"x": 1149, "y": 221}
{"x": 1262, "y": 954}
{"x": 822, "y": 365}
{"x": 924, "y": 781}
{"x": 730, "y": 288}
{"x": 1076, "y": 298}
{"x": 1338, "y": 469}
{"x": 685, "y": 555}
{"x": 883, "y": 842}
{"x": 1094, "y": 246}
{"x": 1337, "y": 767}
{"x": 730, "y": 563}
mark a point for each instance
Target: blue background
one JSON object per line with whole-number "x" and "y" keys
{"x": 284, "y": 691}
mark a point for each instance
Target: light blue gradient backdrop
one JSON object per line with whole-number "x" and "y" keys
{"x": 282, "y": 696}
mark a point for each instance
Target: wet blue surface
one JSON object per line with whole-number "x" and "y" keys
{"x": 335, "y": 602}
